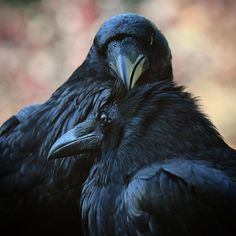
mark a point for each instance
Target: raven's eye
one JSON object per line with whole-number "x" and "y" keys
{"x": 151, "y": 40}
{"x": 104, "y": 119}
{"x": 148, "y": 41}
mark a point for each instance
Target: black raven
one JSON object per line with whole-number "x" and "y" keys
{"x": 163, "y": 168}
{"x": 35, "y": 192}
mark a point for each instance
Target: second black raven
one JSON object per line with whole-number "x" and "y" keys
{"x": 39, "y": 195}
{"x": 163, "y": 168}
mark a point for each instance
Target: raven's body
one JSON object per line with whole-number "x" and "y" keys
{"x": 35, "y": 192}
{"x": 37, "y": 195}
{"x": 163, "y": 168}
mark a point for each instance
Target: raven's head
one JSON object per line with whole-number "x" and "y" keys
{"x": 102, "y": 128}
{"x": 158, "y": 120}
{"x": 92, "y": 135}
{"x": 130, "y": 47}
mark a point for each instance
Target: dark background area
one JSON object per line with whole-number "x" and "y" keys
{"x": 43, "y": 41}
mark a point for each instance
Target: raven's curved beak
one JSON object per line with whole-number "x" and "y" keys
{"x": 81, "y": 139}
{"x": 127, "y": 61}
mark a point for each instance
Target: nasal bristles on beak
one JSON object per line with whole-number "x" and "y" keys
{"x": 129, "y": 71}
{"x": 127, "y": 61}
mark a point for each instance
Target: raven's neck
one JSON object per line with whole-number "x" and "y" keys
{"x": 117, "y": 167}
{"x": 101, "y": 193}
{"x": 107, "y": 170}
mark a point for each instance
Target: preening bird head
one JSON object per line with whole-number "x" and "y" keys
{"x": 131, "y": 48}
{"x": 90, "y": 135}
{"x": 154, "y": 121}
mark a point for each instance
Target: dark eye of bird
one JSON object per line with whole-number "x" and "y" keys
{"x": 148, "y": 41}
{"x": 151, "y": 40}
{"x": 104, "y": 119}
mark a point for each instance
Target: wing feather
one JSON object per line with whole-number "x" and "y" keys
{"x": 180, "y": 196}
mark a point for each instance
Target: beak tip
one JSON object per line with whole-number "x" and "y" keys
{"x": 129, "y": 71}
{"x": 50, "y": 156}
{"x": 52, "y": 153}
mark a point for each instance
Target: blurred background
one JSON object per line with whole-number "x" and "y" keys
{"x": 43, "y": 41}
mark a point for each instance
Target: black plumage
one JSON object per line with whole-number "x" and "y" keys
{"x": 40, "y": 195}
{"x": 163, "y": 169}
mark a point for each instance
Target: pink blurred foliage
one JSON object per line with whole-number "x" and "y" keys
{"x": 42, "y": 43}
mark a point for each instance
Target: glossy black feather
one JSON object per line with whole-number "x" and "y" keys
{"x": 163, "y": 169}
{"x": 31, "y": 186}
